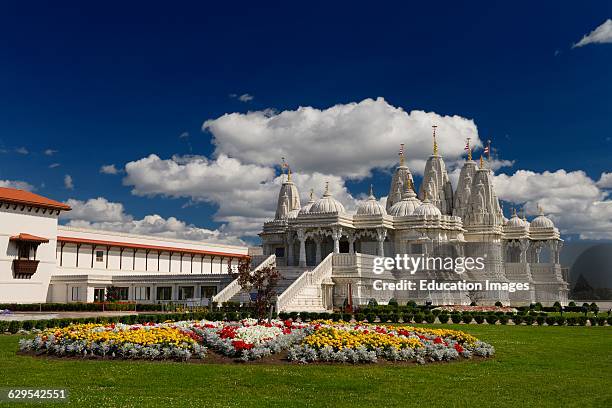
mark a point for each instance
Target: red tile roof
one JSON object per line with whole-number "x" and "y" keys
{"x": 28, "y": 237}
{"x": 15, "y": 196}
{"x": 86, "y": 241}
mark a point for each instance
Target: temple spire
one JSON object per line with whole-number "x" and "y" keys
{"x": 401, "y": 155}
{"x": 481, "y": 162}
{"x": 435, "y": 143}
{"x": 372, "y": 191}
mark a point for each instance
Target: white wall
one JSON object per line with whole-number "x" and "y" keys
{"x": 13, "y": 222}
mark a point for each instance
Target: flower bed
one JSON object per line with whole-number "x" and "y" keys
{"x": 364, "y": 343}
{"x": 153, "y": 341}
{"x": 250, "y": 339}
{"x": 462, "y": 308}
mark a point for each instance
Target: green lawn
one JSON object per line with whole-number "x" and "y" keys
{"x": 534, "y": 366}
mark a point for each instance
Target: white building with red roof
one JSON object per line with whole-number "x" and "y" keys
{"x": 41, "y": 261}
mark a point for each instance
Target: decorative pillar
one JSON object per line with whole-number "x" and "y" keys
{"x": 318, "y": 249}
{"x": 290, "y": 261}
{"x": 351, "y": 240}
{"x": 381, "y": 234}
{"x": 301, "y": 234}
{"x": 524, "y": 245}
{"x": 336, "y": 234}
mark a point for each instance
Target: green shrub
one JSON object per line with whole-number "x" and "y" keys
{"x": 407, "y": 317}
{"x": 498, "y": 304}
{"x": 571, "y": 321}
{"x": 411, "y": 304}
{"x": 372, "y": 302}
{"x": 529, "y": 320}
{"x": 371, "y": 317}
{"x": 3, "y": 326}
{"x": 491, "y": 319}
{"x": 395, "y": 317}
{"x": 610, "y": 320}
{"x": 601, "y": 320}
{"x": 27, "y": 325}
{"x": 466, "y": 317}
{"x": 479, "y": 318}
{"x": 283, "y": 315}
{"x": 393, "y": 302}
{"x": 346, "y": 317}
{"x": 14, "y": 326}
{"x": 443, "y": 317}
{"x": 582, "y": 320}
{"x": 359, "y": 317}
{"x": 384, "y": 317}
{"x": 540, "y": 320}
{"x": 550, "y": 320}
{"x": 517, "y": 319}
{"x": 503, "y": 319}
{"x": 456, "y": 318}
{"x": 560, "y": 320}
{"x": 419, "y": 317}
{"x": 430, "y": 318}
{"x": 572, "y": 304}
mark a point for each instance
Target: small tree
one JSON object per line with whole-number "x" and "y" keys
{"x": 263, "y": 281}
{"x": 112, "y": 294}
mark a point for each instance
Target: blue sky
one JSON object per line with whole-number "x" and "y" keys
{"x": 114, "y": 84}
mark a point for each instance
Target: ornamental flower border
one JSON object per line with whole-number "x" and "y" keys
{"x": 248, "y": 339}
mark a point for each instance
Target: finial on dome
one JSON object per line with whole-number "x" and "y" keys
{"x": 514, "y": 212}
{"x": 481, "y": 162}
{"x": 435, "y": 143}
{"x": 289, "y": 174}
{"x": 469, "y": 148}
{"x": 540, "y": 209}
{"x": 326, "y": 194}
{"x": 401, "y": 155}
{"x": 285, "y": 166}
{"x": 372, "y": 191}
{"x": 311, "y": 194}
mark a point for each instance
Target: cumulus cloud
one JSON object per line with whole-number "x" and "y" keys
{"x": 20, "y": 185}
{"x": 22, "y": 150}
{"x": 245, "y": 194}
{"x": 600, "y": 35}
{"x": 68, "y": 183}
{"x": 50, "y": 152}
{"x": 109, "y": 169}
{"x": 54, "y": 165}
{"x": 572, "y": 199}
{"x": 605, "y": 181}
{"x": 101, "y": 214}
{"x": 347, "y": 140}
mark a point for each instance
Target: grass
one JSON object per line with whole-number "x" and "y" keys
{"x": 534, "y": 366}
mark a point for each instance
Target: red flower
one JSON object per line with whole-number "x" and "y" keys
{"x": 288, "y": 323}
{"x": 438, "y": 340}
{"x": 287, "y": 330}
{"x": 458, "y": 348}
{"x": 242, "y": 345}
{"x": 228, "y": 332}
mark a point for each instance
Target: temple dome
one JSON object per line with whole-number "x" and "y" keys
{"x": 371, "y": 206}
{"x": 516, "y": 222}
{"x": 542, "y": 221}
{"x": 427, "y": 209}
{"x": 327, "y": 204}
{"x": 408, "y": 204}
{"x": 306, "y": 208}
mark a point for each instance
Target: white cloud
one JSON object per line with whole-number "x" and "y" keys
{"x": 50, "y": 152}
{"x": 22, "y": 150}
{"x": 242, "y": 98}
{"x": 99, "y": 213}
{"x": 109, "y": 169}
{"x": 68, "y": 183}
{"x": 20, "y": 185}
{"x": 572, "y": 199}
{"x": 347, "y": 140}
{"x": 54, "y": 165}
{"x": 600, "y": 35}
{"x": 244, "y": 194}
{"x": 605, "y": 181}
{"x": 95, "y": 210}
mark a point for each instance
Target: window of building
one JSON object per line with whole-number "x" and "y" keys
{"x": 208, "y": 292}
{"x": 75, "y": 293}
{"x": 99, "y": 295}
{"x": 99, "y": 256}
{"x": 186, "y": 292}
{"x": 279, "y": 252}
{"x": 122, "y": 293}
{"x": 164, "y": 293}
{"x": 142, "y": 293}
